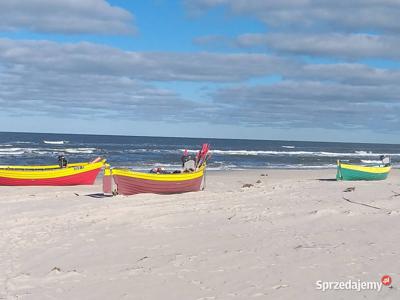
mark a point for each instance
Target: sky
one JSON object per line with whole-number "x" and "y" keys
{"x": 255, "y": 69}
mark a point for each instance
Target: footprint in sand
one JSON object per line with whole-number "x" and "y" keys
{"x": 57, "y": 274}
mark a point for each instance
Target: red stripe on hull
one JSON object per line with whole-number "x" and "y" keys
{"x": 85, "y": 178}
{"x": 131, "y": 186}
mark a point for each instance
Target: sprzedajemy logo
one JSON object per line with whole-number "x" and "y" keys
{"x": 353, "y": 285}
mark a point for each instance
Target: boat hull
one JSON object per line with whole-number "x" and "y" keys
{"x": 132, "y": 186}
{"x": 76, "y": 174}
{"x": 131, "y": 183}
{"x": 354, "y": 172}
{"x": 85, "y": 178}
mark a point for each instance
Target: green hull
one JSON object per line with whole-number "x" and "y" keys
{"x": 346, "y": 174}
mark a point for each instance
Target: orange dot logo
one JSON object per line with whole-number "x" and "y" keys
{"x": 386, "y": 280}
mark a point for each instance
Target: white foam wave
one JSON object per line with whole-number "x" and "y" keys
{"x": 167, "y": 167}
{"x": 78, "y": 150}
{"x": 289, "y": 147}
{"x": 159, "y": 165}
{"x": 367, "y": 161}
{"x": 44, "y": 151}
{"x": 221, "y": 166}
{"x": 227, "y": 168}
{"x": 270, "y": 153}
{"x": 149, "y": 150}
{"x": 363, "y": 152}
{"x": 300, "y": 166}
{"x": 55, "y": 142}
{"x": 11, "y": 151}
{"x": 299, "y": 153}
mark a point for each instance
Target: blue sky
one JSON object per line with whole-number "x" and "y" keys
{"x": 294, "y": 70}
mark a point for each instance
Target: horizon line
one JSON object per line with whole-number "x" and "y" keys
{"x": 185, "y": 137}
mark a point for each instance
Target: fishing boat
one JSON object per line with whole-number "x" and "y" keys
{"x": 357, "y": 172}
{"x": 129, "y": 182}
{"x": 84, "y": 173}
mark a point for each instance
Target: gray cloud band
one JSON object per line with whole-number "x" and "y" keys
{"x": 65, "y": 17}
{"x": 318, "y": 15}
{"x": 48, "y": 77}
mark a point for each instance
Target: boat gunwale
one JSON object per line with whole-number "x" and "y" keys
{"x": 48, "y": 173}
{"x": 366, "y": 169}
{"x": 159, "y": 177}
{"x": 44, "y": 167}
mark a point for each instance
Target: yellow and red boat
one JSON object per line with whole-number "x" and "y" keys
{"x": 130, "y": 182}
{"x": 84, "y": 173}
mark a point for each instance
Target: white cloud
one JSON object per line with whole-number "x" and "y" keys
{"x": 312, "y": 104}
{"x": 42, "y": 77}
{"x": 337, "y": 45}
{"x": 296, "y": 14}
{"x": 161, "y": 66}
{"x": 65, "y": 16}
{"x": 347, "y": 30}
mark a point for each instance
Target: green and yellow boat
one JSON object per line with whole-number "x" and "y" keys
{"x": 356, "y": 172}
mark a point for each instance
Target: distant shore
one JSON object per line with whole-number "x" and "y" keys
{"x": 264, "y": 233}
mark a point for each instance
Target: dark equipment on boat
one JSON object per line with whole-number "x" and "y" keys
{"x": 62, "y": 161}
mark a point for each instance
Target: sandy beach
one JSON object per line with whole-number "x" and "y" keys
{"x": 273, "y": 239}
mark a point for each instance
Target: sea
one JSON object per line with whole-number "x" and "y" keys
{"x": 143, "y": 153}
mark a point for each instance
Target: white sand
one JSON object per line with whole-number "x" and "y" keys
{"x": 270, "y": 241}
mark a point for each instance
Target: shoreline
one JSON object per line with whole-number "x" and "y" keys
{"x": 273, "y": 239}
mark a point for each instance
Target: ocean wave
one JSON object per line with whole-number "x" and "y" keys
{"x": 167, "y": 167}
{"x": 159, "y": 165}
{"x": 78, "y": 150}
{"x": 268, "y": 152}
{"x": 300, "y": 166}
{"x": 367, "y": 161}
{"x": 11, "y": 151}
{"x": 224, "y": 166}
{"x": 44, "y": 151}
{"x": 160, "y": 151}
{"x": 363, "y": 152}
{"x": 299, "y": 153}
{"x": 142, "y": 150}
{"x": 289, "y": 147}
{"x": 55, "y": 142}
